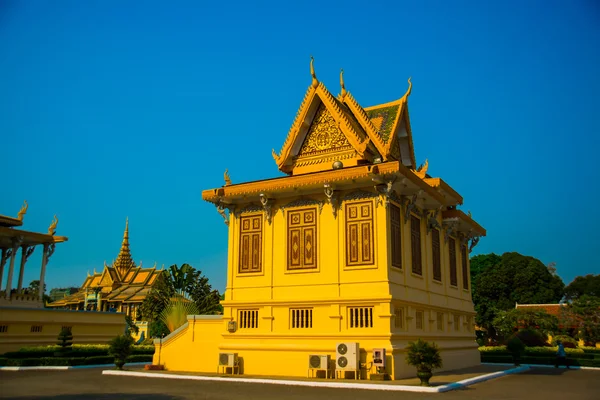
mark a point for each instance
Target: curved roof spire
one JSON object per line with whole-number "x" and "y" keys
{"x": 315, "y": 82}
{"x": 343, "y": 92}
{"x": 124, "y": 261}
{"x": 409, "y": 91}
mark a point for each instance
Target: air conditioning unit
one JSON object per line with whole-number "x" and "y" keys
{"x": 318, "y": 361}
{"x": 228, "y": 359}
{"x": 379, "y": 358}
{"x": 347, "y": 356}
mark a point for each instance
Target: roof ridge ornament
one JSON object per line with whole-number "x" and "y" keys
{"x": 315, "y": 82}
{"x": 23, "y": 211}
{"x": 52, "y": 227}
{"x": 343, "y": 91}
{"x": 227, "y": 177}
{"x": 421, "y": 172}
{"x": 409, "y": 90}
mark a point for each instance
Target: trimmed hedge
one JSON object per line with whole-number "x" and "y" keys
{"x": 540, "y": 355}
{"x": 68, "y": 361}
{"x": 77, "y": 351}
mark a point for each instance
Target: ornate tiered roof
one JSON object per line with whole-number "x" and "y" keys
{"x": 122, "y": 281}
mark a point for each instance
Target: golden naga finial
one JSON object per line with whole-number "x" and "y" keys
{"x": 343, "y": 92}
{"x": 227, "y": 178}
{"x": 88, "y": 273}
{"x": 422, "y": 171}
{"x": 469, "y": 214}
{"x": 95, "y": 271}
{"x": 154, "y": 265}
{"x": 409, "y": 91}
{"x": 23, "y": 211}
{"x": 315, "y": 82}
{"x": 274, "y": 154}
{"x": 52, "y": 227}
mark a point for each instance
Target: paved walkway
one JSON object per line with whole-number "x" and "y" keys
{"x": 542, "y": 383}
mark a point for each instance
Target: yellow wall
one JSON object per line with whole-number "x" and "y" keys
{"x": 87, "y": 327}
{"x": 274, "y": 347}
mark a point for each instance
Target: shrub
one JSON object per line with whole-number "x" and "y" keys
{"x": 139, "y": 358}
{"x": 120, "y": 348}
{"x": 65, "y": 341}
{"x": 567, "y": 341}
{"x": 531, "y": 338}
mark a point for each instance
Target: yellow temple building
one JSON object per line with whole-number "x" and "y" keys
{"x": 335, "y": 267}
{"x": 120, "y": 287}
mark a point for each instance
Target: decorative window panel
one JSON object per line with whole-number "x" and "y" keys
{"x": 359, "y": 234}
{"x": 437, "y": 259}
{"x": 248, "y": 319}
{"x": 457, "y": 322}
{"x": 36, "y": 328}
{"x": 360, "y": 317}
{"x": 302, "y": 239}
{"x": 3, "y": 328}
{"x": 396, "y": 236}
{"x": 419, "y": 319}
{"x": 415, "y": 244}
{"x": 452, "y": 252}
{"x": 440, "y": 321}
{"x": 399, "y": 317}
{"x": 465, "y": 270}
{"x": 251, "y": 244}
{"x": 301, "y": 318}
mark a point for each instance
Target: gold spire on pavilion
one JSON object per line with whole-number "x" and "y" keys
{"x": 315, "y": 82}
{"x": 124, "y": 261}
{"x": 343, "y": 92}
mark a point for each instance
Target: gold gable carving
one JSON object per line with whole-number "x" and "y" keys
{"x": 323, "y": 134}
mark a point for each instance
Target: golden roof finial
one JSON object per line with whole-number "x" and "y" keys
{"x": 409, "y": 91}
{"x": 154, "y": 265}
{"x": 227, "y": 178}
{"x": 422, "y": 170}
{"x": 95, "y": 271}
{"x": 124, "y": 261}
{"x": 343, "y": 92}
{"x": 52, "y": 227}
{"x": 88, "y": 273}
{"x": 315, "y": 82}
{"x": 23, "y": 210}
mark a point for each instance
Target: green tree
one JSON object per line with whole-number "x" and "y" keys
{"x": 586, "y": 312}
{"x": 515, "y": 278}
{"x": 180, "y": 282}
{"x": 481, "y": 263}
{"x": 506, "y": 322}
{"x": 120, "y": 348}
{"x": 583, "y": 285}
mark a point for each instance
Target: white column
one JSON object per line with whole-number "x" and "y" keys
{"x": 16, "y": 243}
{"x": 6, "y": 253}
{"x": 25, "y": 253}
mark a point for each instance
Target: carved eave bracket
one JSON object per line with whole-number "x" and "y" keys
{"x": 50, "y": 251}
{"x": 221, "y": 209}
{"x": 267, "y": 205}
{"x": 450, "y": 226}
{"x": 332, "y": 198}
{"x": 385, "y": 188}
{"x": 431, "y": 218}
{"x": 474, "y": 241}
{"x": 410, "y": 204}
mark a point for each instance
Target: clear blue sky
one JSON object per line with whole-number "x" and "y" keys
{"x": 113, "y": 109}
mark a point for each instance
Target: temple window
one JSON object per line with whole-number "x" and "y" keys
{"x": 301, "y": 317}
{"x": 248, "y": 319}
{"x": 452, "y": 253}
{"x": 465, "y": 270}
{"x": 435, "y": 247}
{"x": 36, "y": 329}
{"x": 419, "y": 318}
{"x": 359, "y": 234}
{"x": 415, "y": 242}
{"x": 396, "y": 236}
{"x": 457, "y": 322}
{"x": 251, "y": 244}
{"x": 440, "y": 321}
{"x": 399, "y": 317}
{"x": 302, "y": 239}
{"x": 360, "y": 317}
{"x": 3, "y": 328}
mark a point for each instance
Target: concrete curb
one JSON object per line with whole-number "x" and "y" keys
{"x": 545, "y": 366}
{"x": 62, "y": 368}
{"x": 341, "y": 385}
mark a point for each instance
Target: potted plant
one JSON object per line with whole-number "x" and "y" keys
{"x": 120, "y": 348}
{"x": 425, "y": 357}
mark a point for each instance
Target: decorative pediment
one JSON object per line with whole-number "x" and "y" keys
{"x": 324, "y": 134}
{"x": 106, "y": 279}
